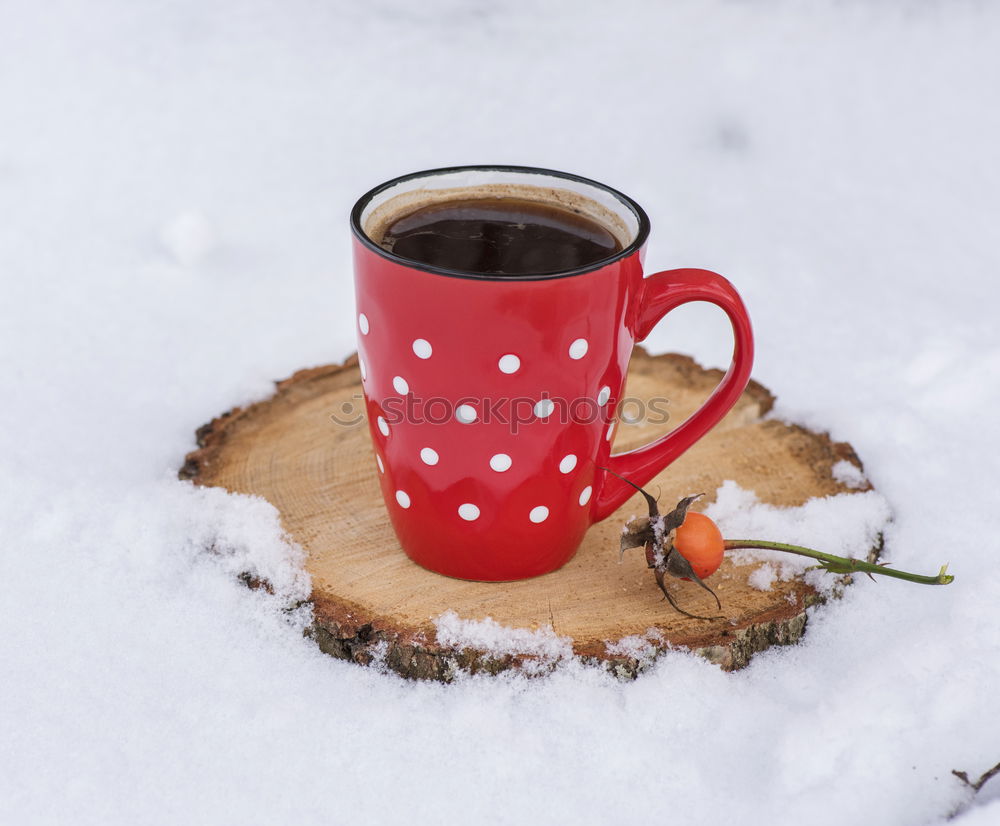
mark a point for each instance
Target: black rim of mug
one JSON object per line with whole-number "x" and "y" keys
{"x": 640, "y": 237}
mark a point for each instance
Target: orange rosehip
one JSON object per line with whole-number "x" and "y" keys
{"x": 700, "y": 542}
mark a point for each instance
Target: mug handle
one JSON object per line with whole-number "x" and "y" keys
{"x": 660, "y": 294}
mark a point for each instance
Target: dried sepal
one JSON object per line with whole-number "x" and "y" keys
{"x": 658, "y": 573}
{"x": 678, "y": 566}
{"x": 636, "y": 533}
{"x": 675, "y": 518}
{"x": 657, "y": 534}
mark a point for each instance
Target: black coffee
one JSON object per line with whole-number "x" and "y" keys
{"x": 499, "y": 236}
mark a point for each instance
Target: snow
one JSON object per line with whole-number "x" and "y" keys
{"x": 848, "y": 524}
{"x": 836, "y": 160}
{"x": 453, "y": 632}
{"x": 763, "y": 577}
{"x": 644, "y": 649}
{"x": 189, "y": 237}
{"x": 849, "y": 474}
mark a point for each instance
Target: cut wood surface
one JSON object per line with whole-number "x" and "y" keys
{"x": 372, "y": 604}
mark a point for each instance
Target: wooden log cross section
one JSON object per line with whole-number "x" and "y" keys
{"x": 372, "y": 604}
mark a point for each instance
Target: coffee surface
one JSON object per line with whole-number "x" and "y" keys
{"x": 499, "y": 236}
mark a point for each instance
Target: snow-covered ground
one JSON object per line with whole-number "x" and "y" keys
{"x": 175, "y": 180}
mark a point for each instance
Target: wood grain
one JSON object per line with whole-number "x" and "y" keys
{"x": 371, "y": 603}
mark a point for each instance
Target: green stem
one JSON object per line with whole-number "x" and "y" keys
{"x": 840, "y": 564}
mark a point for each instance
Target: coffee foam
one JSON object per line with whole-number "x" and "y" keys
{"x": 387, "y": 213}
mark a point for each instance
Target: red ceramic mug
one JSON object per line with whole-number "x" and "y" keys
{"x": 491, "y": 400}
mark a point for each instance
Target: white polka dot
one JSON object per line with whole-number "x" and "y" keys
{"x": 631, "y": 416}
{"x": 403, "y": 498}
{"x": 468, "y": 512}
{"x": 544, "y": 408}
{"x": 364, "y": 368}
{"x": 422, "y": 348}
{"x": 400, "y": 385}
{"x": 578, "y": 349}
{"x": 604, "y": 395}
{"x": 509, "y": 363}
{"x": 383, "y": 426}
{"x": 500, "y": 462}
{"x": 466, "y": 414}
{"x": 429, "y": 456}
{"x": 363, "y": 323}
{"x": 381, "y": 467}
{"x": 539, "y": 514}
{"x": 611, "y": 429}
{"x": 585, "y": 495}
{"x": 568, "y": 463}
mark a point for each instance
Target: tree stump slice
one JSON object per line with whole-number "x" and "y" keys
{"x": 373, "y": 605}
